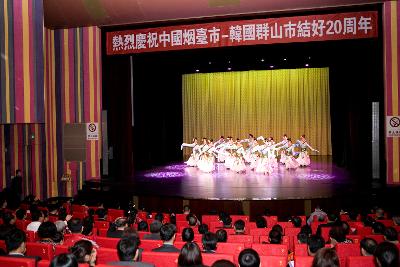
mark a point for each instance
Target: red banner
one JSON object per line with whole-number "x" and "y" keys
{"x": 245, "y": 32}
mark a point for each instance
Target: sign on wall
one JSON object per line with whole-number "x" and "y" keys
{"x": 392, "y": 126}
{"x": 92, "y": 131}
{"x": 326, "y": 27}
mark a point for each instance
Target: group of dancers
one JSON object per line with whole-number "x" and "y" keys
{"x": 260, "y": 154}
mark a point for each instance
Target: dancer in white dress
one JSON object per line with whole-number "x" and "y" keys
{"x": 303, "y": 158}
{"x": 207, "y": 159}
{"x": 238, "y": 164}
{"x": 282, "y": 146}
{"x": 192, "y": 161}
{"x": 291, "y": 162}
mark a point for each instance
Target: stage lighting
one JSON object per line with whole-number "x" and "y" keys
{"x": 262, "y": 60}
{"x": 271, "y": 66}
{"x": 229, "y": 68}
{"x": 285, "y": 59}
{"x": 209, "y": 62}
{"x": 306, "y": 65}
{"x": 197, "y": 70}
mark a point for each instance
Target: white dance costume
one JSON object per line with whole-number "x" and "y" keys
{"x": 304, "y": 158}
{"x": 291, "y": 162}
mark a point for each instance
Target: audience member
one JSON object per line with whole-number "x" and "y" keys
{"x": 379, "y": 214}
{"x": 190, "y": 255}
{"x": 278, "y": 228}
{"x": 296, "y": 221}
{"x": 64, "y": 260}
{"x": 391, "y": 235}
{"x": 101, "y": 214}
{"x": 87, "y": 225}
{"x": 338, "y": 235}
{"x": 209, "y": 241}
{"x": 396, "y": 220}
{"x": 186, "y": 209}
{"x": 239, "y": 227}
{"x": 227, "y": 222}
{"x": 37, "y": 218}
{"x": 168, "y": 234}
{"x": 306, "y": 229}
{"x": 143, "y": 226}
{"x": 192, "y": 220}
{"x": 332, "y": 221}
{"x": 314, "y": 243}
{"x": 368, "y": 246}
{"x": 222, "y": 236}
{"x": 387, "y": 255}
{"x": 274, "y": 237}
{"x": 20, "y": 214}
{"x": 47, "y": 232}
{"x": 321, "y": 215}
{"x": 16, "y": 243}
{"x": 128, "y": 253}
{"x": 249, "y": 258}
{"x": 261, "y": 222}
{"x": 302, "y": 238}
{"x": 159, "y": 217}
{"x": 117, "y": 228}
{"x": 155, "y": 227}
{"x": 203, "y": 228}
{"x": 187, "y": 234}
{"x": 84, "y": 252}
{"x": 325, "y": 257}
{"x": 378, "y": 228}
{"x": 75, "y": 226}
{"x": 223, "y": 263}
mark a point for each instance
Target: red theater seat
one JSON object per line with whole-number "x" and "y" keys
{"x": 31, "y": 236}
{"x": 292, "y": 231}
{"x": 142, "y": 234}
{"x": 286, "y": 240}
{"x": 270, "y": 249}
{"x": 17, "y": 262}
{"x": 160, "y": 259}
{"x": 105, "y": 255}
{"x": 148, "y": 245}
{"x": 285, "y": 224}
{"x": 303, "y": 261}
{"x": 113, "y": 214}
{"x": 271, "y": 220}
{"x": 230, "y": 248}
{"x": 363, "y": 231}
{"x": 346, "y": 250}
{"x": 3, "y": 245}
{"x": 107, "y": 242}
{"x": 314, "y": 226}
{"x": 344, "y": 217}
{"x": 180, "y": 224}
{"x": 387, "y": 223}
{"x": 214, "y": 226}
{"x": 325, "y": 233}
{"x": 356, "y": 238}
{"x": 60, "y": 249}
{"x": 251, "y": 225}
{"x": 300, "y": 250}
{"x": 246, "y": 239}
{"x": 260, "y": 231}
{"x": 101, "y": 224}
{"x": 180, "y": 217}
{"x": 273, "y": 261}
{"x": 80, "y": 215}
{"x": 78, "y": 208}
{"x": 142, "y": 215}
{"x": 44, "y": 251}
{"x": 103, "y": 232}
{"x": 245, "y": 218}
{"x": 207, "y": 219}
{"x": 209, "y": 258}
{"x": 360, "y": 261}
{"x": 22, "y": 224}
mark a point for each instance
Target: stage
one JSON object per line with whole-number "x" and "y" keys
{"x": 322, "y": 179}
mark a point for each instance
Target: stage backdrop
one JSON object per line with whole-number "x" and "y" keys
{"x": 262, "y": 102}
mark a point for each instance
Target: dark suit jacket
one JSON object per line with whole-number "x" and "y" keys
{"x": 152, "y": 236}
{"x": 166, "y": 248}
{"x": 130, "y": 263}
{"x": 16, "y": 185}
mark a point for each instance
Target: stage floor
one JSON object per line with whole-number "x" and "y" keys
{"x": 322, "y": 179}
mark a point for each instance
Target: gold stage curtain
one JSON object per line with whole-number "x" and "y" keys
{"x": 261, "y": 102}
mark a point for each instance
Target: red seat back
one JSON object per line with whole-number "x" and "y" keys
{"x": 325, "y": 233}
{"x": 260, "y": 231}
{"x": 103, "y": 232}
{"x": 271, "y": 220}
{"x": 180, "y": 224}
{"x": 356, "y": 238}
{"x": 162, "y": 259}
{"x": 360, "y": 261}
{"x": 105, "y": 255}
{"x": 78, "y": 208}
{"x": 214, "y": 226}
{"x": 3, "y": 245}
{"x": 314, "y": 226}
{"x": 60, "y": 249}
{"x": 245, "y": 218}
{"x": 44, "y": 251}
{"x": 113, "y": 214}
{"x": 230, "y": 248}
{"x": 363, "y": 231}
{"x": 210, "y": 258}
{"x": 207, "y": 219}
{"x": 292, "y": 231}
{"x": 285, "y": 224}
{"x": 270, "y": 249}
{"x": 344, "y": 217}
{"x": 246, "y": 239}
{"x": 31, "y": 236}
{"x": 345, "y": 250}
{"x": 80, "y": 215}
{"x": 303, "y": 261}
{"x": 107, "y": 242}
{"x": 22, "y": 224}
{"x": 101, "y": 224}
{"x": 17, "y": 262}
{"x": 273, "y": 261}
{"x": 387, "y": 223}
{"x": 180, "y": 217}
{"x": 251, "y": 225}
{"x": 142, "y": 234}
{"x": 149, "y": 245}
{"x": 300, "y": 250}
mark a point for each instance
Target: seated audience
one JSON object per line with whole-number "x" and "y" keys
{"x": 87, "y": 225}
{"x": 379, "y": 214}
{"x": 203, "y": 228}
{"x": 386, "y": 255}
{"x": 317, "y": 212}
{"x": 391, "y": 235}
{"x": 128, "y": 253}
{"x": 64, "y": 260}
{"x": 223, "y": 263}
{"x": 75, "y": 226}
{"x": 325, "y": 257}
{"x": 314, "y": 243}
{"x": 16, "y": 244}
{"x": 159, "y": 217}
{"x": 368, "y": 246}
{"x": 117, "y": 228}
{"x": 37, "y": 218}
{"x": 101, "y": 214}
{"x": 222, "y": 236}
{"x": 274, "y": 237}
{"x": 192, "y": 220}
{"x": 187, "y": 234}
{"x": 155, "y": 227}
{"x": 332, "y": 221}
{"x": 296, "y": 221}
{"x": 261, "y": 222}
{"x": 306, "y": 229}
{"x": 249, "y": 258}
{"x": 143, "y": 226}
{"x": 227, "y": 222}
{"x": 168, "y": 234}
{"x": 186, "y": 209}
{"x": 47, "y": 232}
{"x": 20, "y": 214}
{"x": 396, "y": 220}
{"x": 209, "y": 241}
{"x": 84, "y": 252}
{"x": 302, "y": 238}
{"x": 338, "y": 235}
{"x": 239, "y": 227}
{"x": 278, "y": 228}
{"x": 378, "y": 228}
{"x": 190, "y": 255}
{"x": 8, "y": 224}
